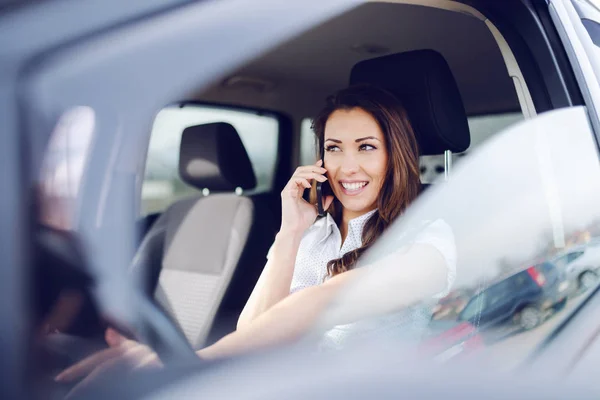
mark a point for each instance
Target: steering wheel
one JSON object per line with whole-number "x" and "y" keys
{"x": 60, "y": 263}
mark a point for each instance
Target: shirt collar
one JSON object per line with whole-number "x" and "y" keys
{"x": 361, "y": 219}
{"x": 355, "y": 225}
{"x": 326, "y": 225}
{"x": 355, "y": 228}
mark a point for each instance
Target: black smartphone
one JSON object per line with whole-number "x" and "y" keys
{"x": 323, "y": 189}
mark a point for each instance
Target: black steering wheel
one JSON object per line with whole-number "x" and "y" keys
{"x": 60, "y": 264}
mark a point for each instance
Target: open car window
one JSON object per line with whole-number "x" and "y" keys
{"x": 515, "y": 203}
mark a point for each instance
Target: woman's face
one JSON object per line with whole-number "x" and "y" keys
{"x": 355, "y": 159}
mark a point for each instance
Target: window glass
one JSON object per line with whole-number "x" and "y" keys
{"x": 573, "y": 256}
{"x": 499, "y": 291}
{"x": 308, "y": 143}
{"x": 566, "y": 259}
{"x": 473, "y": 308}
{"x": 482, "y": 127}
{"x": 547, "y": 267}
{"x": 64, "y": 166}
{"x": 518, "y": 200}
{"x": 520, "y": 280}
{"x": 162, "y": 185}
{"x": 561, "y": 262}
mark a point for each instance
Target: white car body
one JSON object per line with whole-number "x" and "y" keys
{"x": 577, "y": 261}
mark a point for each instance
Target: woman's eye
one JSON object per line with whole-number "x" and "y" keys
{"x": 332, "y": 148}
{"x": 366, "y": 147}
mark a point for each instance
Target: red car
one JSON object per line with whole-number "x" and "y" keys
{"x": 449, "y": 339}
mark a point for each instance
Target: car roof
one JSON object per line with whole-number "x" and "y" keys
{"x": 302, "y": 70}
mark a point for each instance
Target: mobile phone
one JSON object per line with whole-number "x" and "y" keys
{"x": 323, "y": 189}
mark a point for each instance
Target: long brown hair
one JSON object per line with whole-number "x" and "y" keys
{"x": 401, "y": 184}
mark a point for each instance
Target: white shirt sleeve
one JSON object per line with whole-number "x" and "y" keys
{"x": 439, "y": 235}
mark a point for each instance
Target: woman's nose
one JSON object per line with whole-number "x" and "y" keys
{"x": 349, "y": 165}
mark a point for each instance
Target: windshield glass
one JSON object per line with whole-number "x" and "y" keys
{"x": 527, "y": 195}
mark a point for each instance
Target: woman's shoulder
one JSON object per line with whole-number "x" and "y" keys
{"x": 435, "y": 228}
{"x": 321, "y": 228}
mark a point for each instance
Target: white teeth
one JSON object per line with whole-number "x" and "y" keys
{"x": 353, "y": 185}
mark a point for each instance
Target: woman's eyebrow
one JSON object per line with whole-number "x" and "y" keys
{"x": 333, "y": 140}
{"x": 366, "y": 138}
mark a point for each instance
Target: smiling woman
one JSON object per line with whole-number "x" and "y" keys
{"x": 356, "y": 166}
{"x": 371, "y": 155}
{"x": 371, "y": 164}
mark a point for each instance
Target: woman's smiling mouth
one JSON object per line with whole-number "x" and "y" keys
{"x": 354, "y": 187}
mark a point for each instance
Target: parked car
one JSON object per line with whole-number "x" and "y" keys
{"x": 523, "y": 299}
{"x": 451, "y": 305}
{"x": 581, "y": 264}
{"x": 449, "y": 339}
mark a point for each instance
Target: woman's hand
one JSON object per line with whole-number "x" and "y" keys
{"x": 121, "y": 352}
{"x": 297, "y": 213}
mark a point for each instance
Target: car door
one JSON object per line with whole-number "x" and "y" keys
{"x": 474, "y": 312}
{"x": 500, "y": 301}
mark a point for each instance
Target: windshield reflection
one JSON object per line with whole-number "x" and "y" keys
{"x": 525, "y": 213}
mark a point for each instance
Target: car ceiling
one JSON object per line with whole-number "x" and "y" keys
{"x": 307, "y": 68}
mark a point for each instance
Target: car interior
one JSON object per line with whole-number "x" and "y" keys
{"x": 464, "y": 71}
{"x": 202, "y": 253}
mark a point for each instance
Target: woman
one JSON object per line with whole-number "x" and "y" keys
{"x": 371, "y": 165}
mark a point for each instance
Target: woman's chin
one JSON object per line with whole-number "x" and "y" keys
{"x": 357, "y": 207}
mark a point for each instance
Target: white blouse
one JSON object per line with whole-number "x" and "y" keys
{"x": 322, "y": 242}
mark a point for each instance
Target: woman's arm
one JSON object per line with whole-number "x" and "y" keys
{"x": 296, "y": 217}
{"x": 275, "y": 279}
{"x": 393, "y": 283}
{"x": 284, "y": 322}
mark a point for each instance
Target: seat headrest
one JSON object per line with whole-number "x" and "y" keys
{"x": 423, "y": 82}
{"x": 212, "y": 156}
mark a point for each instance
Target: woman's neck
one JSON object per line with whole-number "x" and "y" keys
{"x": 348, "y": 216}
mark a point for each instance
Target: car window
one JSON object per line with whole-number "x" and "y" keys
{"x": 162, "y": 185}
{"x": 568, "y": 258}
{"x": 473, "y": 308}
{"x": 482, "y": 127}
{"x": 499, "y": 291}
{"x": 64, "y": 167}
{"x": 520, "y": 280}
{"x": 549, "y": 271}
{"x": 308, "y": 144}
{"x": 574, "y": 256}
{"x": 496, "y": 210}
{"x": 562, "y": 261}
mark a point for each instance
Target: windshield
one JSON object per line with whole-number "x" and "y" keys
{"x": 527, "y": 195}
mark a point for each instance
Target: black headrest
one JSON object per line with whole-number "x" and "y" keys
{"x": 423, "y": 82}
{"x": 212, "y": 156}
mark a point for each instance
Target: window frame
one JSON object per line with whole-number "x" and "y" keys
{"x": 284, "y": 153}
{"x": 33, "y": 67}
